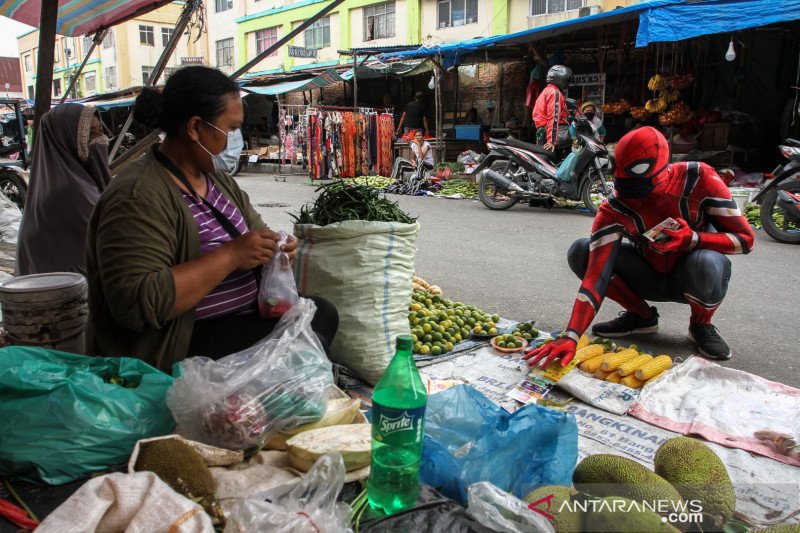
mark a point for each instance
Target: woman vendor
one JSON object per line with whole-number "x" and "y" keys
{"x": 175, "y": 248}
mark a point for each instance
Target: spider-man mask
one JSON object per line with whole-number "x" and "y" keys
{"x": 640, "y": 156}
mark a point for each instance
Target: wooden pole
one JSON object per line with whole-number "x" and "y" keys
{"x": 44, "y": 67}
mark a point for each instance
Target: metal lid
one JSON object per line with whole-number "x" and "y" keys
{"x": 42, "y": 282}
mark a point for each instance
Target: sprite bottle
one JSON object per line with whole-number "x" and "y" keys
{"x": 398, "y": 415}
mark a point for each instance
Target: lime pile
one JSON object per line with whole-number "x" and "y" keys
{"x": 438, "y": 324}
{"x": 507, "y": 341}
{"x": 525, "y": 330}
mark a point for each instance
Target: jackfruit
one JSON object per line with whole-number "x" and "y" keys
{"x": 606, "y": 475}
{"x": 698, "y": 474}
{"x": 564, "y": 520}
{"x": 780, "y": 528}
{"x": 614, "y": 514}
{"x": 180, "y": 467}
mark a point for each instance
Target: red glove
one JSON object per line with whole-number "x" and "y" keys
{"x": 563, "y": 348}
{"x": 682, "y": 239}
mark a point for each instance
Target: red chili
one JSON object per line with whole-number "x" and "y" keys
{"x": 17, "y": 515}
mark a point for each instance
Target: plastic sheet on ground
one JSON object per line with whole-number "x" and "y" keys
{"x": 726, "y": 406}
{"x": 10, "y": 217}
{"x": 501, "y": 511}
{"x": 613, "y": 397}
{"x": 766, "y": 490}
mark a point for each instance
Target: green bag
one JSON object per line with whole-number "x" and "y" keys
{"x": 66, "y": 415}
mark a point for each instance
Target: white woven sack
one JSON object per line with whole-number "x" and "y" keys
{"x": 365, "y": 269}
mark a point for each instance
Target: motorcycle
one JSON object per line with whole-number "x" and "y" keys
{"x": 780, "y": 199}
{"x": 515, "y": 170}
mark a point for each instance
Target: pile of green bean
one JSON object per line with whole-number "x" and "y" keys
{"x": 339, "y": 201}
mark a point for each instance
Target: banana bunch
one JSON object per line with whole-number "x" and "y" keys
{"x": 670, "y": 96}
{"x": 658, "y": 83}
{"x": 639, "y": 113}
{"x": 656, "y": 105}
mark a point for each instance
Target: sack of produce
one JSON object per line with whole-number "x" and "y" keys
{"x": 307, "y": 505}
{"x": 357, "y": 249}
{"x": 242, "y": 399}
{"x": 469, "y": 439}
{"x": 277, "y": 292}
{"x": 66, "y": 415}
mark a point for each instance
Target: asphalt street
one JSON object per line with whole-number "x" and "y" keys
{"x": 514, "y": 263}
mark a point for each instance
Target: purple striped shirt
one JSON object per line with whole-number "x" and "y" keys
{"x": 238, "y": 292}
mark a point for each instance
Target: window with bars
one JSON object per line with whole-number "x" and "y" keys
{"x": 28, "y": 63}
{"x": 147, "y": 35}
{"x": 318, "y": 35}
{"x": 223, "y": 5}
{"x": 379, "y": 21}
{"x": 169, "y": 71}
{"x": 548, "y": 7}
{"x": 266, "y": 38}
{"x": 108, "y": 40}
{"x": 57, "y": 87}
{"x": 110, "y": 75}
{"x": 146, "y": 73}
{"x": 86, "y": 43}
{"x": 225, "y": 53}
{"x": 90, "y": 83}
{"x": 166, "y": 35}
{"x": 457, "y": 12}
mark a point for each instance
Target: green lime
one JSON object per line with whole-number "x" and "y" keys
{"x": 518, "y": 344}
{"x": 427, "y": 338}
{"x": 526, "y": 336}
{"x": 424, "y": 349}
{"x": 501, "y": 344}
{"x": 436, "y": 350}
{"x": 437, "y": 336}
{"x": 495, "y": 318}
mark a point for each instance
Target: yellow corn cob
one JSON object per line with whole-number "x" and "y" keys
{"x": 632, "y": 382}
{"x": 600, "y": 374}
{"x": 587, "y": 352}
{"x": 582, "y": 342}
{"x": 613, "y": 377}
{"x": 592, "y": 365}
{"x": 612, "y": 360}
{"x": 654, "y": 367}
{"x": 629, "y": 367}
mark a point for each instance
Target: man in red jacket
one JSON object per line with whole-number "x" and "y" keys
{"x": 687, "y": 264}
{"x": 550, "y": 110}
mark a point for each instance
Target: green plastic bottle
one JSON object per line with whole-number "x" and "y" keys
{"x": 398, "y": 418}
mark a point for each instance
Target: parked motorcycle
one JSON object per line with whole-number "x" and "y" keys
{"x": 515, "y": 170}
{"x": 780, "y": 199}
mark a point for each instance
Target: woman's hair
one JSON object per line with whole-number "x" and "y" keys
{"x": 190, "y": 91}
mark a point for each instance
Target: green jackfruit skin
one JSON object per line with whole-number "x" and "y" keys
{"x": 625, "y": 522}
{"x": 180, "y": 467}
{"x": 604, "y": 475}
{"x": 564, "y": 522}
{"x": 780, "y": 528}
{"x": 698, "y": 474}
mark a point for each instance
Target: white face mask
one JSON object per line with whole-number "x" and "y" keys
{"x": 226, "y": 160}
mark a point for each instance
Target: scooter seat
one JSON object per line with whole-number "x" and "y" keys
{"x": 525, "y": 146}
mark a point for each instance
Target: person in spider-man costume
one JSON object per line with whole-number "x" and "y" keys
{"x": 688, "y": 267}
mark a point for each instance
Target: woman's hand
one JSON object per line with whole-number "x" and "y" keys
{"x": 290, "y": 247}
{"x": 253, "y": 249}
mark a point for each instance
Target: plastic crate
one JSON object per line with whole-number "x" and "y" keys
{"x": 469, "y": 133}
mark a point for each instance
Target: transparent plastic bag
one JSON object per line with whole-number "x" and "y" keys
{"x": 242, "y": 399}
{"x": 278, "y": 291}
{"x": 501, "y": 511}
{"x": 308, "y": 505}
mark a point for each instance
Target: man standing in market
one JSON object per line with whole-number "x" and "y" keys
{"x": 686, "y": 264}
{"x": 415, "y": 116}
{"x": 550, "y": 110}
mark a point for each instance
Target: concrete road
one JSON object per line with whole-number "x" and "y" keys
{"x": 514, "y": 263}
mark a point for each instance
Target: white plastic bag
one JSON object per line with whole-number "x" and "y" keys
{"x": 10, "y": 217}
{"x": 278, "y": 291}
{"x": 240, "y": 400}
{"x": 308, "y": 505}
{"x": 501, "y": 511}
{"x": 365, "y": 270}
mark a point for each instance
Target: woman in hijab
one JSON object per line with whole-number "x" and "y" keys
{"x": 68, "y": 172}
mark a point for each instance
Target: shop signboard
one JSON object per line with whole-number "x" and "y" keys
{"x": 299, "y": 51}
{"x": 192, "y": 61}
{"x": 592, "y": 86}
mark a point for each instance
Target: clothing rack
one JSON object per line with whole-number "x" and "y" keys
{"x": 295, "y": 110}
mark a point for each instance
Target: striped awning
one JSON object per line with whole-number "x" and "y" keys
{"x": 328, "y": 77}
{"x": 80, "y": 17}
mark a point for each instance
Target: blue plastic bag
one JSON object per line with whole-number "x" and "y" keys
{"x": 469, "y": 439}
{"x": 566, "y": 168}
{"x": 61, "y": 418}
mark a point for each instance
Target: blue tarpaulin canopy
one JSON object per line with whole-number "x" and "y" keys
{"x": 659, "y": 21}
{"x": 317, "y": 82}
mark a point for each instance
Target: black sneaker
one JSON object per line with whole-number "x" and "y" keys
{"x": 709, "y": 342}
{"x": 627, "y": 323}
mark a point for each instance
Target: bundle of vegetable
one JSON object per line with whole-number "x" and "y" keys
{"x": 338, "y": 202}
{"x": 376, "y": 182}
{"x": 469, "y": 189}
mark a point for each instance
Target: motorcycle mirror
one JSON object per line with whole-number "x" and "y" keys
{"x": 571, "y": 103}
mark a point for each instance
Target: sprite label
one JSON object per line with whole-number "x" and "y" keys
{"x": 397, "y": 426}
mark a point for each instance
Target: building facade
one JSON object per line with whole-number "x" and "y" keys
{"x": 125, "y": 58}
